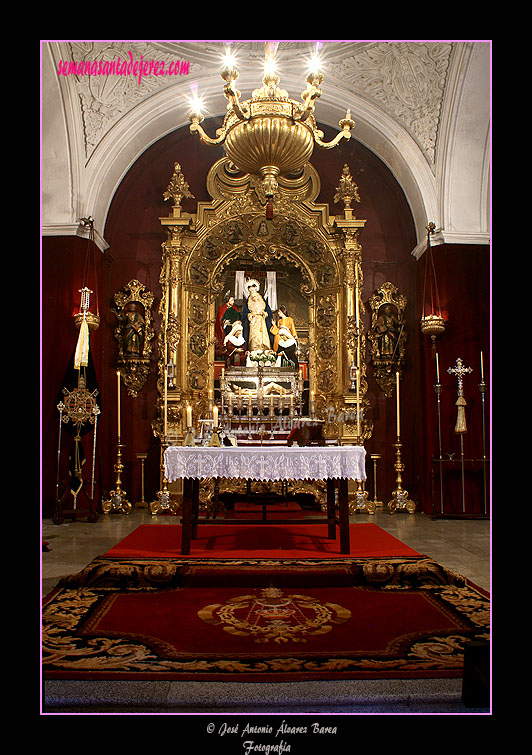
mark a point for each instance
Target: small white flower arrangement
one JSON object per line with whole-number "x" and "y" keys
{"x": 268, "y": 358}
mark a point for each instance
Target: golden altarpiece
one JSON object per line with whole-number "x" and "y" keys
{"x": 317, "y": 261}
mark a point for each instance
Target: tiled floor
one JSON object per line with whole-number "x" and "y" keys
{"x": 461, "y": 545}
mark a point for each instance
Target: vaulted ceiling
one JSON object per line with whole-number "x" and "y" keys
{"x": 422, "y": 107}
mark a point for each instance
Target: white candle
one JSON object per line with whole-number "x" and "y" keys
{"x": 215, "y": 416}
{"x": 437, "y": 369}
{"x": 398, "y": 405}
{"x": 312, "y": 402}
{"x": 189, "y": 416}
{"x": 118, "y": 394}
{"x": 481, "y": 366}
{"x": 223, "y": 372}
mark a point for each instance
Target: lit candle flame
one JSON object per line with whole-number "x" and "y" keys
{"x": 229, "y": 60}
{"x": 315, "y": 64}
{"x": 196, "y": 104}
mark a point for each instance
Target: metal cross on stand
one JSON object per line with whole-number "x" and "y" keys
{"x": 459, "y": 371}
{"x": 461, "y": 425}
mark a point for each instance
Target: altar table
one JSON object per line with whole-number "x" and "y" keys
{"x": 335, "y": 464}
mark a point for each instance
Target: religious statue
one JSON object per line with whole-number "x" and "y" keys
{"x": 133, "y": 330}
{"x": 283, "y": 320}
{"x": 130, "y": 330}
{"x": 226, "y": 317}
{"x": 387, "y": 329}
{"x": 257, "y": 319}
{"x": 235, "y": 346}
{"x": 287, "y": 348}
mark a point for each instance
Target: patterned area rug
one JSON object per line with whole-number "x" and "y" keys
{"x": 268, "y": 621}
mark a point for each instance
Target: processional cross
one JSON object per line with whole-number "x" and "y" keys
{"x": 460, "y": 371}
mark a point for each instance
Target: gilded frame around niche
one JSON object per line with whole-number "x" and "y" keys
{"x": 323, "y": 249}
{"x": 387, "y": 335}
{"x": 134, "y": 334}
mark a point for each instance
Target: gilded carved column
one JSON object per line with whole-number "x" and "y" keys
{"x": 170, "y": 309}
{"x": 354, "y": 384}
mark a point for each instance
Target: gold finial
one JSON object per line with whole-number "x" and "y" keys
{"x": 178, "y": 189}
{"x": 348, "y": 190}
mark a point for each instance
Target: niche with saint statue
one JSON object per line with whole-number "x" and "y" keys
{"x": 261, "y": 350}
{"x": 134, "y": 334}
{"x": 387, "y": 335}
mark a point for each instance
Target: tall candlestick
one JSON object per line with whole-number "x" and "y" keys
{"x": 118, "y": 394}
{"x": 398, "y": 405}
{"x": 165, "y": 400}
{"x": 437, "y": 369}
{"x": 358, "y": 404}
{"x": 357, "y": 313}
{"x": 481, "y": 366}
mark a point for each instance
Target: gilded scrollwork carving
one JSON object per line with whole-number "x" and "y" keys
{"x": 387, "y": 335}
{"x": 134, "y": 334}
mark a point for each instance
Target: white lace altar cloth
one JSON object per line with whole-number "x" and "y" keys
{"x": 265, "y": 463}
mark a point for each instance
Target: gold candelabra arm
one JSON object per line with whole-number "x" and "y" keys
{"x": 346, "y": 124}
{"x": 233, "y": 95}
{"x": 195, "y": 119}
{"x": 311, "y": 93}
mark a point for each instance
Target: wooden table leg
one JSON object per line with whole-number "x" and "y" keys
{"x": 186, "y": 519}
{"x": 343, "y": 515}
{"x": 195, "y": 510}
{"x": 331, "y": 513}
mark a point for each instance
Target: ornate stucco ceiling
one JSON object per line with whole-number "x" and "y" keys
{"x": 422, "y": 107}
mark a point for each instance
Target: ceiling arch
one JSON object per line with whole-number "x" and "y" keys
{"x": 423, "y": 110}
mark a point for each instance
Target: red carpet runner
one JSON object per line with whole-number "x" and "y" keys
{"x": 259, "y": 541}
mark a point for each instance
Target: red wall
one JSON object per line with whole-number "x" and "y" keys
{"x": 464, "y": 286}
{"x": 135, "y": 236}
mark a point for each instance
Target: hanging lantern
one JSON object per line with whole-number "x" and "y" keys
{"x": 432, "y": 322}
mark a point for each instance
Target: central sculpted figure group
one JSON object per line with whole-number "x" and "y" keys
{"x": 255, "y": 333}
